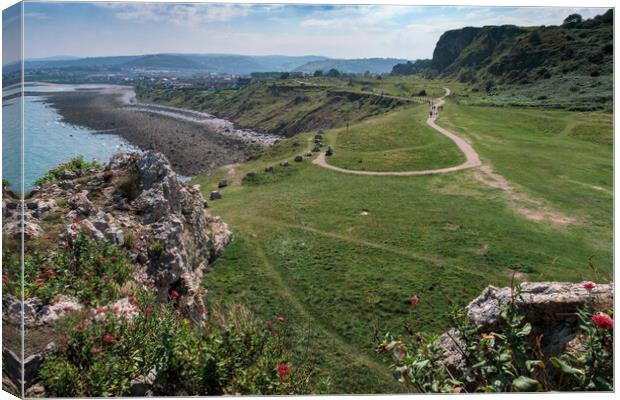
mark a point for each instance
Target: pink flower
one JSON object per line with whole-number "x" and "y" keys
{"x": 38, "y": 282}
{"x": 284, "y": 371}
{"x": 415, "y": 300}
{"x": 5, "y": 278}
{"x": 204, "y": 310}
{"x": 603, "y": 321}
{"x": 99, "y": 310}
{"x": 107, "y": 339}
{"x": 65, "y": 245}
{"x": 95, "y": 350}
{"x": 131, "y": 299}
{"x": 269, "y": 324}
{"x": 280, "y": 319}
{"x": 588, "y": 286}
{"x": 174, "y": 295}
{"x": 113, "y": 258}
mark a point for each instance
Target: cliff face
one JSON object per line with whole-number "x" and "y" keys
{"x": 450, "y": 45}
{"x": 511, "y": 54}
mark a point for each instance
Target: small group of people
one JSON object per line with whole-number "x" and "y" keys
{"x": 434, "y": 110}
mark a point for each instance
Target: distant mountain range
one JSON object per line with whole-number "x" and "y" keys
{"x": 211, "y": 63}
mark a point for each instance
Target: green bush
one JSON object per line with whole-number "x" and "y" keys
{"x": 92, "y": 271}
{"x": 506, "y": 361}
{"x": 230, "y": 354}
{"x": 61, "y": 378}
{"x": 76, "y": 164}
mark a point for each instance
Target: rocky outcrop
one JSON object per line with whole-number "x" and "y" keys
{"x": 136, "y": 202}
{"x": 550, "y": 307}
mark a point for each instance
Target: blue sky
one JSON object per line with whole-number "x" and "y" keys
{"x": 100, "y": 29}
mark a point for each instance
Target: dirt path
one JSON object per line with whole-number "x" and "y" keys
{"x": 471, "y": 157}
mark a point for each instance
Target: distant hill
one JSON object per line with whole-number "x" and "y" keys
{"x": 217, "y": 63}
{"x": 353, "y": 66}
{"x": 510, "y": 54}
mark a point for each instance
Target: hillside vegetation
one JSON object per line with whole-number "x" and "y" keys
{"x": 290, "y": 106}
{"x": 568, "y": 66}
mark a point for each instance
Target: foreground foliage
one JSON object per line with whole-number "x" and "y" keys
{"x": 93, "y": 272}
{"x": 76, "y": 165}
{"x": 510, "y": 360}
{"x": 106, "y": 352}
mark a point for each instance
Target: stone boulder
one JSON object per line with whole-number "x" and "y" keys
{"x": 550, "y": 307}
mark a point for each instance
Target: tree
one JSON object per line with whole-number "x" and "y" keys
{"x": 285, "y": 75}
{"x": 572, "y": 20}
{"x": 318, "y": 72}
{"x": 333, "y": 73}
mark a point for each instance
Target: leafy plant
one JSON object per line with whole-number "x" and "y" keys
{"x": 505, "y": 361}
{"x": 230, "y": 354}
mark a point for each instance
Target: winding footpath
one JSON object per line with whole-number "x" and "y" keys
{"x": 472, "y": 159}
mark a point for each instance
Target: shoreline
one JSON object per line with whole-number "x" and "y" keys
{"x": 193, "y": 142}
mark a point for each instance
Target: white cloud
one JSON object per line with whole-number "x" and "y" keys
{"x": 179, "y": 14}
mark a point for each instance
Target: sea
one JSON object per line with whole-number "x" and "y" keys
{"x": 48, "y": 141}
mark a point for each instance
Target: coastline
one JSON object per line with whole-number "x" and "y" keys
{"x": 193, "y": 145}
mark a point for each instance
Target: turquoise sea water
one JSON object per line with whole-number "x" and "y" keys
{"x": 47, "y": 141}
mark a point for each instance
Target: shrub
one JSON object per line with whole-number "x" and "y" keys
{"x": 76, "y": 164}
{"x": 61, "y": 378}
{"x": 91, "y": 271}
{"x": 231, "y": 354}
{"x": 506, "y": 361}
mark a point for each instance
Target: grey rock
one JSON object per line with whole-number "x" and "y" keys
{"x": 215, "y": 195}
{"x": 298, "y": 159}
{"x": 284, "y": 164}
{"x": 68, "y": 175}
{"x": 222, "y": 184}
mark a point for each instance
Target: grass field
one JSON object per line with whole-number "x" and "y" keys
{"x": 340, "y": 255}
{"x": 398, "y": 141}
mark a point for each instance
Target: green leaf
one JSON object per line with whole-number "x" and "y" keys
{"x": 562, "y": 366}
{"x": 525, "y": 384}
{"x": 526, "y": 330}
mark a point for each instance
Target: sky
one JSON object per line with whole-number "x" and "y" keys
{"x": 409, "y": 32}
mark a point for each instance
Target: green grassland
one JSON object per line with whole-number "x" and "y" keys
{"x": 340, "y": 255}
{"x": 398, "y": 141}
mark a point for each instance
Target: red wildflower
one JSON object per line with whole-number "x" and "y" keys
{"x": 76, "y": 220}
{"x": 174, "y": 295}
{"x": 588, "y": 286}
{"x": 131, "y": 299}
{"x": 66, "y": 309}
{"x": 39, "y": 282}
{"x": 5, "y": 278}
{"x": 107, "y": 339}
{"x": 415, "y": 300}
{"x": 148, "y": 310}
{"x": 283, "y": 371}
{"x": 48, "y": 273}
{"x": 280, "y": 319}
{"x": 113, "y": 258}
{"x": 80, "y": 327}
{"x": 269, "y": 324}
{"x": 603, "y": 321}
{"x": 106, "y": 278}
{"x": 95, "y": 350}
{"x": 99, "y": 310}
{"x": 204, "y": 310}
{"x": 65, "y": 245}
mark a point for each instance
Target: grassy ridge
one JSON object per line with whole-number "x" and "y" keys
{"x": 340, "y": 255}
